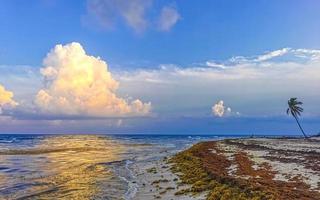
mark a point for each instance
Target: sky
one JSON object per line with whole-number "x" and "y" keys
{"x": 158, "y": 67}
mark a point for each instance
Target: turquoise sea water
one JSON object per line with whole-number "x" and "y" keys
{"x": 80, "y": 166}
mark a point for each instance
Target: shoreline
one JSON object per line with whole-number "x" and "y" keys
{"x": 243, "y": 168}
{"x": 157, "y": 181}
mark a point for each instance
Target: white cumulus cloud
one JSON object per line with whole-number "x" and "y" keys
{"x": 168, "y": 18}
{"x": 79, "y": 84}
{"x": 6, "y": 99}
{"x": 220, "y": 110}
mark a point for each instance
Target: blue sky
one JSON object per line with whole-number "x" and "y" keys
{"x": 206, "y": 30}
{"x": 182, "y": 57}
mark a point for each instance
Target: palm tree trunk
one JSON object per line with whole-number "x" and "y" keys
{"x": 300, "y": 127}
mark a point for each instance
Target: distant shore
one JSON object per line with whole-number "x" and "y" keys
{"x": 251, "y": 168}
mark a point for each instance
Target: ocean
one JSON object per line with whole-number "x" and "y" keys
{"x": 81, "y": 166}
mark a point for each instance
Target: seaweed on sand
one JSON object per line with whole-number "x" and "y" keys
{"x": 193, "y": 170}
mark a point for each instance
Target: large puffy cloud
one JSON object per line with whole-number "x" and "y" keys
{"x": 79, "y": 84}
{"x": 6, "y": 99}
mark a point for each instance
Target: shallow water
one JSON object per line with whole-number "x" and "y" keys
{"x": 79, "y": 166}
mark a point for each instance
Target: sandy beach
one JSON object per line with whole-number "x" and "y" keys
{"x": 252, "y": 168}
{"x": 157, "y": 181}
{"x": 160, "y": 167}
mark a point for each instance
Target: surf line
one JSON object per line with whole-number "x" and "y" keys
{"x": 132, "y": 186}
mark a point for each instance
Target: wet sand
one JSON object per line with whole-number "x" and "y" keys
{"x": 157, "y": 181}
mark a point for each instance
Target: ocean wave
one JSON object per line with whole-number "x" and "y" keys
{"x": 132, "y": 187}
{"x": 139, "y": 144}
{"x": 6, "y": 141}
{"x": 45, "y": 151}
{"x": 127, "y": 176}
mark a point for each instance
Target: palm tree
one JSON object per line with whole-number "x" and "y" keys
{"x": 295, "y": 110}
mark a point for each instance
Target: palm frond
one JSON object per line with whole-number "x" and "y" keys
{"x": 300, "y": 109}
{"x": 294, "y": 107}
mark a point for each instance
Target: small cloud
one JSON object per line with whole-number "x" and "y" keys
{"x": 272, "y": 54}
{"x": 119, "y": 122}
{"x": 277, "y": 56}
{"x": 311, "y": 54}
{"x": 220, "y": 110}
{"x": 105, "y": 12}
{"x": 268, "y": 56}
{"x": 228, "y": 109}
{"x": 6, "y": 99}
{"x": 168, "y": 18}
{"x": 215, "y": 65}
